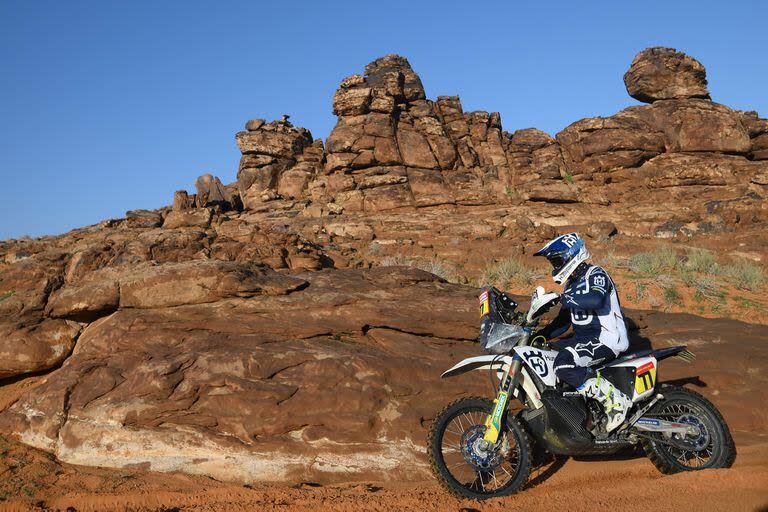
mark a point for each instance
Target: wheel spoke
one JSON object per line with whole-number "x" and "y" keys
{"x": 462, "y": 459}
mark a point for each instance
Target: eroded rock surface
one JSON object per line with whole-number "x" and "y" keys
{"x": 295, "y": 383}
{"x": 663, "y": 74}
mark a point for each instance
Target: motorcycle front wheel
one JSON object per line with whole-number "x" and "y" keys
{"x": 461, "y": 462}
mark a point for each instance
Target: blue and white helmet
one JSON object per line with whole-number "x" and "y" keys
{"x": 565, "y": 253}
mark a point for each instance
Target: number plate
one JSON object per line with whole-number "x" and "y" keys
{"x": 485, "y": 305}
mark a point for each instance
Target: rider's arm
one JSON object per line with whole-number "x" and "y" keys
{"x": 558, "y": 326}
{"x": 592, "y": 295}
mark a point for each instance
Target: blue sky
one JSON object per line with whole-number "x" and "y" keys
{"x": 109, "y": 106}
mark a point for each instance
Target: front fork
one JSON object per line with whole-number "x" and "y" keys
{"x": 508, "y": 383}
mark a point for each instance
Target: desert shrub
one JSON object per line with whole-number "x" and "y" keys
{"x": 702, "y": 261}
{"x": 672, "y": 296}
{"x": 395, "y": 261}
{"x": 440, "y": 268}
{"x": 610, "y": 260}
{"x": 641, "y": 290}
{"x": 745, "y": 275}
{"x": 652, "y": 263}
{"x": 705, "y": 287}
{"x": 506, "y": 271}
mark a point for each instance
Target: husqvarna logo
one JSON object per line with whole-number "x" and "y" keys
{"x": 537, "y": 363}
{"x": 569, "y": 239}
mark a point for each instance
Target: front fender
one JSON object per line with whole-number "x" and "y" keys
{"x": 486, "y": 362}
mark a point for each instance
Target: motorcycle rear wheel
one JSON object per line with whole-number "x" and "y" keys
{"x": 462, "y": 471}
{"x": 713, "y": 449}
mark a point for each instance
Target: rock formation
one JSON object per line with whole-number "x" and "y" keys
{"x": 665, "y": 74}
{"x": 394, "y": 149}
{"x": 250, "y": 332}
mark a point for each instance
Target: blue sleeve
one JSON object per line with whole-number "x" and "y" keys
{"x": 591, "y": 293}
{"x": 558, "y": 325}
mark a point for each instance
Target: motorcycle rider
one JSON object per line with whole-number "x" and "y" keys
{"x": 590, "y": 305}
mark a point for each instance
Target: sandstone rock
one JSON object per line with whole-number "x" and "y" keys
{"x": 551, "y": 191}
{"x": 525, "y": 223}
{"x": 293, "y": 182}
{"x": 282, "y": 143}
{"x": 387, "y": 198}
{"x": 394, "y": 74}
{"x": 604, "y": 144}
{"x": 428, "y": 187}
{"x": 211, "y": 192}
{"x": 697, "y": 125}
{"x": 199, "y": 217}
{"x": 198, "y": 282}
{"x": 678, "y": 169}
{"x": 358, "y": 231}
{"x": 232, "y": 392}
{"x": 601, "y": 230}
{"x": 415, "y": 149}
{"x": 143, "y": 219}
{"x": 170, "y": 245}
{"x": 35, "y": 348}
{"x": 761, "y": 178}
{"x": 386, "y": 120}
{"x": 88, "y": 301}
{"x": 183, "y": 201}
{"x": 664, "y": 73}
{"x": 254, "y": 124}
{"x": 278, "y": 159}
{"x": 351, "y": 100}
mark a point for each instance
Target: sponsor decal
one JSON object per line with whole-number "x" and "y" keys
{"x": 570, "y": 239}
{"x": 535, "y": 361}
{"x": 485, "y": 306}
{"x": 581, "y": 316}
{"x": 645, "y": 377}
{"x": 646, "y": 366}
{"x": 649, "y": 421}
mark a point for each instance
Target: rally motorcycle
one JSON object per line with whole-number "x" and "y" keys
{"x": 480, "y": 448}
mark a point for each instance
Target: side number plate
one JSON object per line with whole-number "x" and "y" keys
{"x": 485, "y": 306}
{"x": 645, "y": 378}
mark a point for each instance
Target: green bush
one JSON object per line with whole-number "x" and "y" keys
{"x": 506, "y": 271}
{"x": 672, "y": 296}
{"x": 745, "y": 275}
{"x": 663, "y": 259}
{"x": 434, "y": 266}
{"x": 705, "y": 287}
{"x": 702, "y": 261}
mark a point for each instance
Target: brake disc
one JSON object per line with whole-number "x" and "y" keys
{"x": 475, "y": 451}
{"x": 700, "y": 442}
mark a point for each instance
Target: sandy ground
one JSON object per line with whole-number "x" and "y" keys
{"x": 30, "y": 480}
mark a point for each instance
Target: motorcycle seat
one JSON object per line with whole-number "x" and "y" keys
{"x": 625, "y": 358}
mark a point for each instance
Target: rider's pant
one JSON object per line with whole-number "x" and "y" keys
{"x": 576, "y": 359}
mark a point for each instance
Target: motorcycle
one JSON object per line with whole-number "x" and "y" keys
{"x": 481, "y": 449}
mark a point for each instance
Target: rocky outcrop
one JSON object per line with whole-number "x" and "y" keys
{"x": 664, "y": 74}
{"x": 216, "y": 337}
{"x": 278, "y": 159}
{"x": 393, "y": 148}
{"x": 315, "y": 381}
{"x": 51, "y": 288}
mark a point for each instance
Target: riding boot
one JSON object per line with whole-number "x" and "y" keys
{"x": 615, "y": 403}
